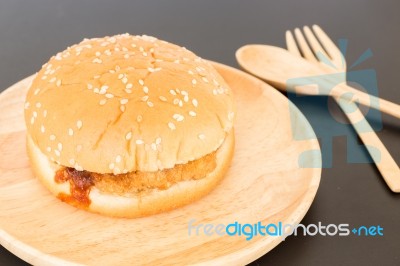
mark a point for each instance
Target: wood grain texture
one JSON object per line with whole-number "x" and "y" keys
{"x": 264, "y": 183}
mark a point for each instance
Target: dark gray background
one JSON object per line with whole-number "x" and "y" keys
{"x": 32, "y": 31}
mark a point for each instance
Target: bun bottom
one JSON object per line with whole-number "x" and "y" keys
{"x": 131, "y": 206}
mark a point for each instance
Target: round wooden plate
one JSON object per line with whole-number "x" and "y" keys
{"x": 265, "y": 183}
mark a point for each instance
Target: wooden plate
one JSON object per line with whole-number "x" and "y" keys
{"x": 265, "y": 183}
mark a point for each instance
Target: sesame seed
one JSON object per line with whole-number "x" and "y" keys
{"x": 128, "y": 91}
{"x": 70, "y": 131}
{"x": 107, "y": 52}
{"x": 126, "y": 56}
{"x": 42, "y": 129}
{"x": 194, "y": 81}
{"x": 139, "y": 118}
{"x": 180, "y": 104}
{"x": 178, "y": 117}
{"x": 96, "y": 90}
{"x": 172, "y": 92}
{"x": 128, "y": 135}
{"x": 90, "y": 86}
{"x": 141, "y": 49}
{"x": 117, "y": 68}
{"x": 38, "y": 105}
{"x": 79, "y": 124}
{"x": 44, "y": 77}
{"x": 116, "y": 171}
{"x": 102, "y": 90}
{"x": 59, "y": 145}
{"x": 32, "y": 120}
{"x": 122, "y": 108}
{"x": 125, "y": 80}
{"x": 123, "y": 101}
{"x": 176, "y": 101}
{"x": 139, "y": 141}
{"x": 162, "y": 98}
{"x": 97, "y": 53}
{"x": 150, "y": 104}
{"x": 184, "y": 93}
{"x": 144, "y": 54}
{"x": 186, "y": 98}
{"x": 145, "y": 89}
{"x": 44, "y": 113}
{"x": 192, "y": 113}
{"x": 104, "y": 44}
{"x": 145, "y": 98}
{"x": 141, "y": 82}
{"x": 150, "y": 69}
{"x": 104, "y": 87}
{"x": 201, "y": 136}
{"x": 129, "y": 86}
{"x": 190, "y": 72}
{"x": 57, "y": 152}
{"x": 195, "y": 103}
{"x": 120, "y": 76}
{"x": 48, "y": 149}
{"x": 97, "y": 60}
{"x": 78, "y": 167}
{"x": 52, "y": 137}
{"x": 36, "y": 92}
{"x": 205, "y": 79}
{"x": 118, "y": 159}
{"x": 109, "y": 95}
{"x": 171, "y": 125}
{"x": 34, "y": 114}
{"x": 111, "y": 166}
{"x": 154, "y": 146}
{"x": 102, "y": 101}
{"x": 97, "y": 76}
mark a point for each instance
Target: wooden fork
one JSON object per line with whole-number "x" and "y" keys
{"x": 384, "y": 161}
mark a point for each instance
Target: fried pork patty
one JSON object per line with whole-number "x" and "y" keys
{"x": 137, "y": 182}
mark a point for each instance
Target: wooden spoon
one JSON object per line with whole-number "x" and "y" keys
{"x": 278, "y": 65}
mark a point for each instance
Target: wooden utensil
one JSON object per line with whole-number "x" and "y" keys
{"x": 383, "y": 160}
{"x": 276, "y": 66}
{"x": 255, "y": 57}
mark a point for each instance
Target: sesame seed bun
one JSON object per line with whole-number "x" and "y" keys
{"x": 125, "y": 104}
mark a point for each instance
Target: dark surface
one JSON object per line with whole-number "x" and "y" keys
{"x": 32, "y": 31}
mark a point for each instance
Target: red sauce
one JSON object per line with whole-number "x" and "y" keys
{"x": 80, "y": 185}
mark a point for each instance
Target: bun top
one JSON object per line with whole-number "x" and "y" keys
{"x": 125, "y": 103}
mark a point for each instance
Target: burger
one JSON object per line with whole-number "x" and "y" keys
{"x": 129, "y": 126}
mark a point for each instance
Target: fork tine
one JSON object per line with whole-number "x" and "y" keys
{"x": 303, "y": 45}
{"x": 314, "y": 43}
{"x": 291, "y": 44}
{"x": 329, "y": 45}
